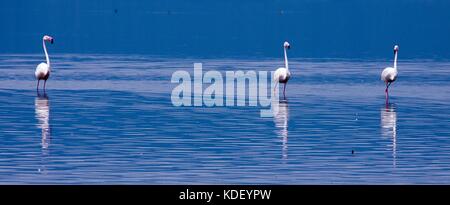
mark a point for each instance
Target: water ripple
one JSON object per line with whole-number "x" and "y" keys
{"x": 109, "y": 119}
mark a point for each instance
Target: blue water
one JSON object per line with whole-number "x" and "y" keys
{"x": 108, "y": 119}
{"x": 224, "y": 28}
{"x": 107, "y": 116}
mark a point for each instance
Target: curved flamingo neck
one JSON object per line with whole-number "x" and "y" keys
{"x": 46, "y": 54}
{"x": 395, "y": 59}
{"x": 286, "y": 60}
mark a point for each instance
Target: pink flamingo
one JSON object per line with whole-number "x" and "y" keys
{"x": 43, "y": 69}
{"x": 389, "y": 74}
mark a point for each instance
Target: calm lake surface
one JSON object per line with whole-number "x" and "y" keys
{"x": 108, "y": 119}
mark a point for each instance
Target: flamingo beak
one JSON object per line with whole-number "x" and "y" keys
{"x": 289, "y": 47}
{"x": 51, "y": 41}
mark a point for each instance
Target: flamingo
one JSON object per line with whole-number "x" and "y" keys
{"x": 282, "y": 75}
{"x": 389, "y": 74}
{"x": 43, "y": 69}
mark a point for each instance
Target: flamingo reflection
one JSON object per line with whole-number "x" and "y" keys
{"x": 281, "y": 118}
{"x": 389, "y": 127}
{"x": 42, "y": 111}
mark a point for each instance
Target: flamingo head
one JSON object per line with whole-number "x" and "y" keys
{"x": 286, "y": 45}
{"x": 48, "y": 38}
{"x": 396, "y": 48}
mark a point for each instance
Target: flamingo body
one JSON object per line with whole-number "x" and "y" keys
{"x": 282, "y": 75}
{"x": 42, "y": 71}
{"x": 389, "y": 74}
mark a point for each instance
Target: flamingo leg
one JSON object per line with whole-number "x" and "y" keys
{"x": 284, "y": 91}
{"x": 275, "y": 87}
{"x": 37, "y": 86}
{"x": 45, "y": 82}
{"x": 387, "y": 101}
{"x": 387, "y": 93}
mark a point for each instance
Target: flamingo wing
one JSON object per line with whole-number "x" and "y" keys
{"x": 42, "y": 71}
{"x": 280, "y": 75}
{"x": 389, "y": 74}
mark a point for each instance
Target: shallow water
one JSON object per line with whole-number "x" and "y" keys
{"x": 108, "y": 119}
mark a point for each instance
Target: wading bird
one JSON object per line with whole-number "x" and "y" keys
{"x": 389, "y": 74}
{"x": 282, "y": 75}
{"x": 43, "y": 69}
